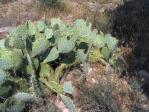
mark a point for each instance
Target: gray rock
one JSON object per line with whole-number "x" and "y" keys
{"x": 144, "y": 75}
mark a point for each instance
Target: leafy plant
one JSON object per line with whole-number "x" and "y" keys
{"x": 44, "y": 51}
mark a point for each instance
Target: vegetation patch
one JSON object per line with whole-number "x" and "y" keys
{"x": 38, "y": 54}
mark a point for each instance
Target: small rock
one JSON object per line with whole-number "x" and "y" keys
{"x": 144, "y": 75}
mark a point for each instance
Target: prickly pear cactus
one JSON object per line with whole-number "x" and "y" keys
{"x": 10, "y": 58}
{"x": 17, "y": 37}
{"x": 41, "y": 53}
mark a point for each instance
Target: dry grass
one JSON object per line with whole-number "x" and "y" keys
{"x": 96, "y": 11}
{"x": 69, "y": 10}
{"x": 126, "y": 97}
{"x": 106, "y": 92}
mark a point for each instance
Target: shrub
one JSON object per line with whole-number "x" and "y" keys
{"x": 112, "y": 94}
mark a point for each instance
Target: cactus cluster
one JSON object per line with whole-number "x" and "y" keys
{"x": 44, "y": 51}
